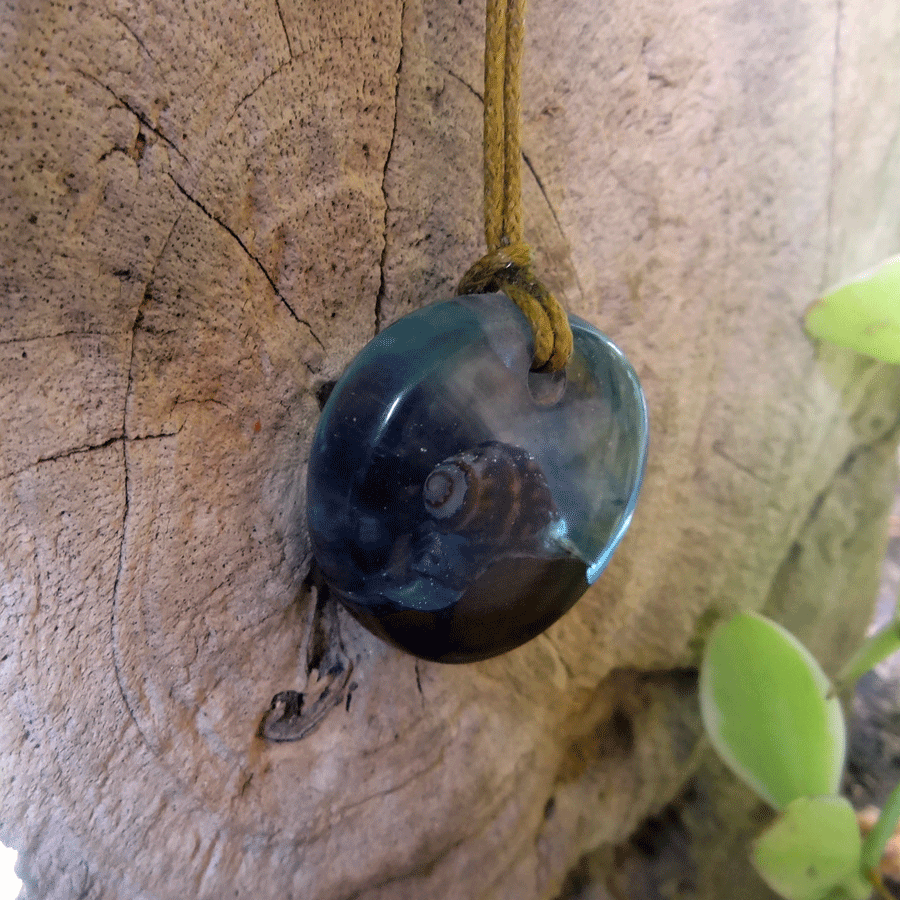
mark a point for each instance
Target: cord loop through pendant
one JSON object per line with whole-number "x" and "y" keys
{"x": 507, "y": 265}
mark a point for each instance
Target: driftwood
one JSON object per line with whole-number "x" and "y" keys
{"x": 207, "y": 209}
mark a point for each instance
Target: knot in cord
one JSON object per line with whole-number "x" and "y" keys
{"x": 508, "y": 269}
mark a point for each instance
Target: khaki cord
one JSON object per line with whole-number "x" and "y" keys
{"x": 508, "y": 269}
{"x": 507, "y": 265}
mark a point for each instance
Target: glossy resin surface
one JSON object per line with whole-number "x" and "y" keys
{"x": 459, "y": 504}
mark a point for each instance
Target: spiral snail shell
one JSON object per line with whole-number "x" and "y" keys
{"x": 494, "y": 493}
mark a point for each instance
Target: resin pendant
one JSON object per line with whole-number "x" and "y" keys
{"x": 459, "y": 504}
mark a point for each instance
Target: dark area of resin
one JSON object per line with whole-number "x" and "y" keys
{"x": 479, "y": 625}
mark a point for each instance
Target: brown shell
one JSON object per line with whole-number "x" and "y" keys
{"x": 493, "y": 493}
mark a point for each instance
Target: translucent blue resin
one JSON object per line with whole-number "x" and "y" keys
{"x": 459, "y": 504}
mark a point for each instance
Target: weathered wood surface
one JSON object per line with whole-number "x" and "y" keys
{"x": 207, "y": 209}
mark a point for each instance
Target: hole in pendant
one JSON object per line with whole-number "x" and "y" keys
{"x": 547, "y": 388}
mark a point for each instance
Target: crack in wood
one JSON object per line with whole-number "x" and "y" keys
{"x": 141, "y": 117}
{"x": 51, "y": 337}
{"x": 295, "y": 714}
{"x": 556, "y": 220}
{"x": 527, "y": 160}
{"x": 146, "y": 298}
{"x": 85, "y": 448}
{"x": 113, "y": 623}
{"x": 466, "y": 85}
{"x": 113, "y": 618}
{"x": 543, "y": 191}
{"x": 718, "y": 448}
{"x": 247, "y": 96}
{"x": 255, "y": 259}
{"x": 135, "y": 35}
{"x": 382, "y": 284}
{"x": 198, "y": 401}
{"x": 287, "y": 37}
{"x": 122, "y": 434}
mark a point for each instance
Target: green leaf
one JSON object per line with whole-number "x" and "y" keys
{"x": 876, "y": 648}
{"x": 876, "y": 840}
{"x": 769, "y": 711}
{"x": 863, "y": 314}
{"x": 812, "y": 851}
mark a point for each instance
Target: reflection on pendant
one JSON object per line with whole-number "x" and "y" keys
{"x": 459, "y": 504}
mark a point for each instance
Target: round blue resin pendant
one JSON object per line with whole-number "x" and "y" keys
{"x": 459, "y": 504}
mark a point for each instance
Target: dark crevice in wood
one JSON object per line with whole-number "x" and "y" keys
{"x": 255, "y": 259}
{"x": 113, "y": 623}
{"x": 287, "y": 36}
{"x": 141, "y": 117}
{"x": 552, "y": 209}
{"x": 466, "y": 85}
{"x": 52, "y": 337}
{"x": 323, "y": 392}
{"x": 135, "y": 35}
{"x": 259, "y": 86}
{"x": 527, "y": 160}
{"x": 718, "y": 447}
{"x": 123, "y": 692}
{"x": 293, "y": 714}
{"x": 382, "y": 284}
